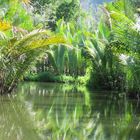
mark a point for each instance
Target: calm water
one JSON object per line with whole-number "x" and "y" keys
{"x": 44, "y": 111}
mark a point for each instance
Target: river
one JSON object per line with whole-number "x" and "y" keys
{"x": 49, "y": 111}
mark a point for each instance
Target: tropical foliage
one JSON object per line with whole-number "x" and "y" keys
{"x": 19, "y": 48}
{"x": 60, "y": 41}
{"x": 105, "y": 49}
{"x": 126, "y": 41}
{"x": 50, "y": 11}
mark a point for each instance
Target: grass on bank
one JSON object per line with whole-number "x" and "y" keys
{"x": 49, "y": 77}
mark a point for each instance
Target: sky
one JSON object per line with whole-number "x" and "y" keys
{"x": 99, "y": 1}
{"x": 88, "y": 3}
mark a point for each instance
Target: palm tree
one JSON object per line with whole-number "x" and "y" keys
{"x": 18, "y": 54}
{"x": 126, "y": 43}
{"x": 20, "y": 43}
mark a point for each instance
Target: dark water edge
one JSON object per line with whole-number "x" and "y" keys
{"x": 51, "y": 111}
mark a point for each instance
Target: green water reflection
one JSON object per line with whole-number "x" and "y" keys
{"x": 45, "y": 111}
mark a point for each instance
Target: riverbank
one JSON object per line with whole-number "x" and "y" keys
{"x": 79, "y": 80}
{"x": 49, "y": 77}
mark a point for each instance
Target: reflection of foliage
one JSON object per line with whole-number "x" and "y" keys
{"x": 65, "y": 124}
{"x": 65, "y": 112}
{"x": 65, "y": 119}
{"x": 15, "y": 120}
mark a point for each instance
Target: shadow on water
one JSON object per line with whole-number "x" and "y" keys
{"x": 46, "y": 111}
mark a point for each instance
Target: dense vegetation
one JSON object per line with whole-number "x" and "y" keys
{"x": 20, "y": 42}
{"x": 105, "y": 52}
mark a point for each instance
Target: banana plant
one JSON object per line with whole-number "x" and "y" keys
{"x": 71, "y": 62}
